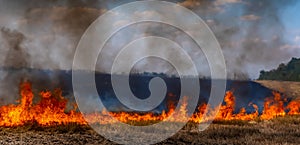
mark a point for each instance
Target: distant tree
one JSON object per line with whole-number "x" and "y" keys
{"x": 285, "y": 72}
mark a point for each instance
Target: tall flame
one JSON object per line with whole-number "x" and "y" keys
{"x": 51, "y": 110}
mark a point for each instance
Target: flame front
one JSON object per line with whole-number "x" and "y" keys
{"x": 51, "y": 110}
{"x": 48, "y": 111}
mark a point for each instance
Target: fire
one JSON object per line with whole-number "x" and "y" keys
{"x": 51, "y": 110}
{"x": 294, "y": 107}
{"x": 273, "y": 107}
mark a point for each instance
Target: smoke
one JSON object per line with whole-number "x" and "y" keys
{"x": 251, "y": 33}
{"x": 16, "y": 54}
{"x": 54, "y": 34}
{"x": 263, "y": 37}
{"x": 41, "y": 37}
{"x": 44, "y": 35}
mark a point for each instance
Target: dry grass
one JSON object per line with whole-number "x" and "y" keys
{"x": 282, "y": 130}
{"x": 291, "y": 89}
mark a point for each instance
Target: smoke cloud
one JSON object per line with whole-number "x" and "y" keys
{"x": 16, "y": 54}
{"x": 251, "y": 34}
{"x": 44, "y": 35}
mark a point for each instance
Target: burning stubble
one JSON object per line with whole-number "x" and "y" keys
{"x": 51, "y": 110}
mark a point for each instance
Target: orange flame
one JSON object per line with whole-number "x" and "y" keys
{"x": 51, "y": 110}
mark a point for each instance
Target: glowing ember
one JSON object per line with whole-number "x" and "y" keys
{"x": 51, "y": 110}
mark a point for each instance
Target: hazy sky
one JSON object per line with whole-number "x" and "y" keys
{"x": 254, "y": 35}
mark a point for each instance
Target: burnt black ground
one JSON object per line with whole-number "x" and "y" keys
{"x": 246, "y": 92}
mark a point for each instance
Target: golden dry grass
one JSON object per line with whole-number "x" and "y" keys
{"x": 290, "y": 89}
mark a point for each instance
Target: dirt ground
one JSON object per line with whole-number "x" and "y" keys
{"x": 278, "y": 131}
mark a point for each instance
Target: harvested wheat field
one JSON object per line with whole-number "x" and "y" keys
{"x": 282, "y": 130}
{"x": 291, "y": 89}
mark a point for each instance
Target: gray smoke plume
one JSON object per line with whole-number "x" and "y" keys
{"x": 264, "y": 36}
{"x": 44, "y": 34}
{"x": 16, "y": 54}
{"x": 251, "y": 33}
{"x": 41, "y": 38}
